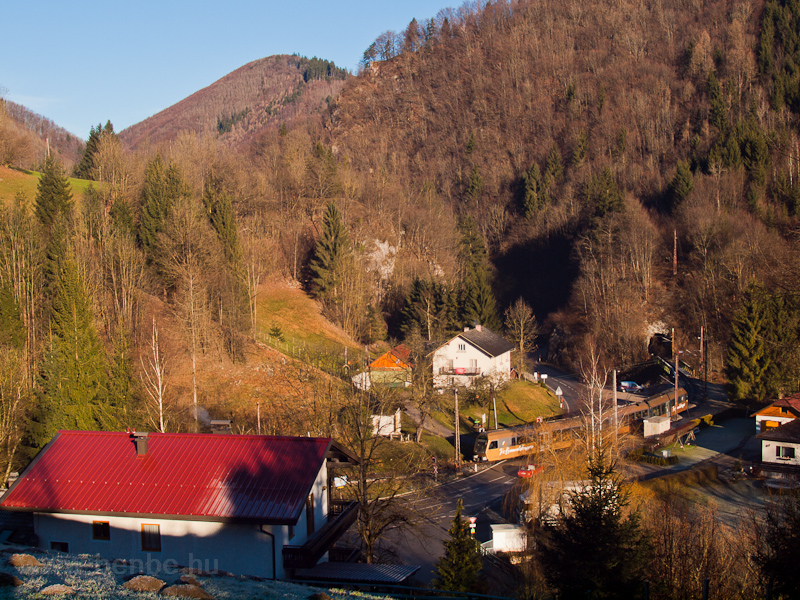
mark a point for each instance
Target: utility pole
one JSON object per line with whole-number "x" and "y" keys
{"x": 494, "y": 404}
{"x": 675, "y": 398}
{"x": 675, "y": 253}
{"x": 616, "y": 415}
{"x": 258, "y": 416}
{"x": 457, "y": 434}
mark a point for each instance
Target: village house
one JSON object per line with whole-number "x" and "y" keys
{"x": 776, "y": 414}
{"x": 392, "y": 369}
{"x": 472, "y": 354}
{"x": 246, "y": 504}
{"x": 780, "y": 448}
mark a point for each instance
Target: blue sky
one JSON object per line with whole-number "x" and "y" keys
{"x": 83, "y": 63}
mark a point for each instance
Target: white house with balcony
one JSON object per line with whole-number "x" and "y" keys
{"x": 781, "y": 445}
{"x": 472, "y": 354}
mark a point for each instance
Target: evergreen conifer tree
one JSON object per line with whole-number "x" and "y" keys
{"x": 747, "y": 360}
{"x": 554, "y": 168}
{"x": 72, "y": 379}
{"x": 162, "y": 187}
{"x": 581, "y": 149}
{"x": 459, "y": 568}
{"x": 219, "y": 210}
{"x": 331, "y": 255}
{"x": 478, "y": 306}
{"x": 53, "y": 193}
{"x": 533, "y": 192}
{"x": 474, "y": 187}
{"x": 681, "y": 185}
{"x": 594, "y": 551}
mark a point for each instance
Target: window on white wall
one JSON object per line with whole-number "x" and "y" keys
{"x": 784, "y": 452}
{"x": 101, "y": 531}
{"x": 151, "y": 538}
{"x": 462, "y": 347}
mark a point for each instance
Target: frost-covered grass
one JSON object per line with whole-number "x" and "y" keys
{"x": 95, "y": 577}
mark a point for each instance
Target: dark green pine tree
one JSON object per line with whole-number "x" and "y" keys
{"x": 594, "y": 551}
{"x": 53, "y": 194}
{"x": 478, "y": 306}
{"x": 429, "y": 309}
{"x": 681, "y": 185}
{"x": 603, "y": 194}
{"x": 719, "y": 109}
{"x": 86, "y": 167}
{"x": 581, "y": 149}
{"x": 475, "y": 187}
{"x": 782, "y": 345}
{"x": 459, "y": 568}
{"x": 162, "y": 187}
{"x": 747, "y": 360}
{"x": 119, "y": 409}
{"x": 554, "y": 167}
{"x": 331, "y": 256}
{"x": 72, "y": 379}
{"x": 219, "y": 211}
{"x": 534, "y": 196}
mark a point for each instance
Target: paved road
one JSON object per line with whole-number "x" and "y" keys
{"x": 572, "y": 389}
{"x": 482, "y": 494}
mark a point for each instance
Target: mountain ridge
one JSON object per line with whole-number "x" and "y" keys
{"x": 259, "y": 95}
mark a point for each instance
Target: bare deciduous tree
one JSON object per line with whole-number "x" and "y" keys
{"x": 155, "y": 371}
{"x": 378, "y": 483}
{"x": 523, "y": 328}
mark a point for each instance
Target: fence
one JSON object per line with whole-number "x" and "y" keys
{"x": 320, "y": 356}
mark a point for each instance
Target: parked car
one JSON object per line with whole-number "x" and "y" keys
{"x": 630, "y": 386}
{"x": 529, "y": 470}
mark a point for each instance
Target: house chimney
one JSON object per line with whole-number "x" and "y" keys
{"x": 466, "y": 329}
{"x": 140, "y": 439}
{"x": 477, "y": 328}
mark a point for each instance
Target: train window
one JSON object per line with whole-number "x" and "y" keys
{"x": 493, "y": 445}
{"x": 514, "y": 441}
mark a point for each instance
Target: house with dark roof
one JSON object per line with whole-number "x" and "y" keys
{"x": 246, "y": 504}
{"x": 781, "y": 446}
{"x": 472, "y": 354}
{"x": 776, "y": 414}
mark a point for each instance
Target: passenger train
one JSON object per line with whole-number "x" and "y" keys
{"x": 561, "y": 432}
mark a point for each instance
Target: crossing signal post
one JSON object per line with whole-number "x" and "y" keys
{"x": 435, "y": 468}
{"x": 472, "y": 521}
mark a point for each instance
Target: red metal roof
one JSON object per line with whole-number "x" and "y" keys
{"x": 213, "y": 477}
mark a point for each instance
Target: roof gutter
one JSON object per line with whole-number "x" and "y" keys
{"x": 272, "y": 537}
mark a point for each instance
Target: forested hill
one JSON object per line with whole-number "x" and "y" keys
{"x": 591, "y": 143}
{"x": 266, "y": 92}
{"x": 26, "y": 135}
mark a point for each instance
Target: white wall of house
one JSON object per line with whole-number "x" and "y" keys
{"x": 242, "y": 549}
{"x": 460, "y": 354}
{"x": 761, "y": 418}
{"x": 782, "y": 453}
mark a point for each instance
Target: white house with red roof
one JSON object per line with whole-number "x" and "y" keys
{"x": 252, "y": 505}
{"x": 776, "y": 414}
{"x": 472, "y": 354}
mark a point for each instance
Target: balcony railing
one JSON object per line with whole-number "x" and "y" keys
{"x": 459, "y": 371}
{"x": 341, "y": 515}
